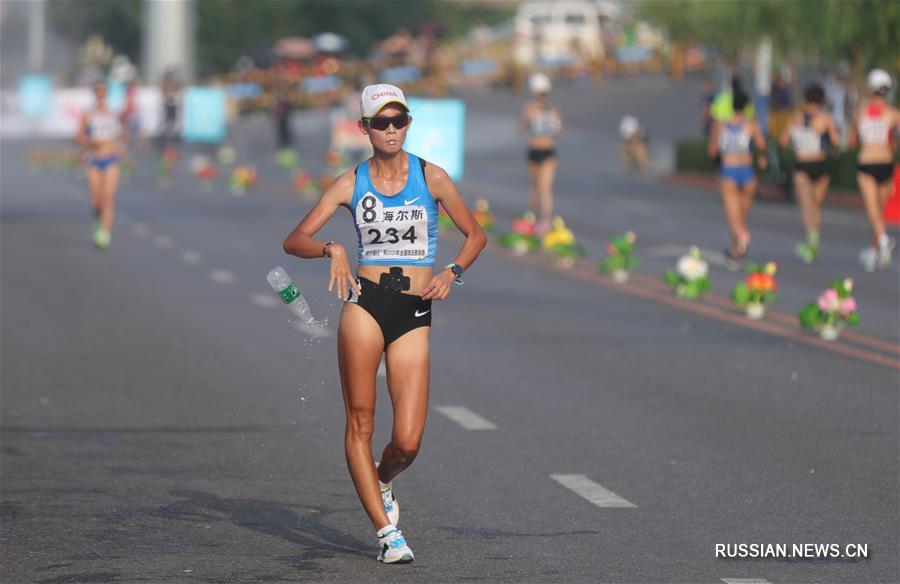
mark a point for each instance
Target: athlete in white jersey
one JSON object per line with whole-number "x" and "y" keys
{"x": 811, "y": 132}
{"x": 543, "y": 125}
{"x": 874, "y": 132}
{"x": 103, "y": 138}
{"x": 393, "y": 198}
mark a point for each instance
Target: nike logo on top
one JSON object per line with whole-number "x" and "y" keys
{"x": 423, "y": 313}
{"x": 405, "y": 202}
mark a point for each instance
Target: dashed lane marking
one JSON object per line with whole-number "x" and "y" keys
{"x": 191, "y": 257}
{"x": 593, "y": 492}
{"x": 466, "y": 418}
{"x": 163, "y": 241}
{"x": 222, "y": 276}
{"x": 264, "y": 300}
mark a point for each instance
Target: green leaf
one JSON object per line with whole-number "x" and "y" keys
{"x": 741, "y": 294}
{"x": 671, "y": 277}
{"x": 853, "y": 319}
{"x": 810, "y": 315}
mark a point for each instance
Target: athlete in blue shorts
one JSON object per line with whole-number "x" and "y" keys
{"x": 102, "y": 136}
{"x": 394, "y": 199}
{"x": 732, "y": 141}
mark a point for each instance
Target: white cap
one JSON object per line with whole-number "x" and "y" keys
{"x": 628, "y": 127}
{"x": 375, "y": 97}
{"x": 539, "y": 83}
{"x": 878, "y": 79}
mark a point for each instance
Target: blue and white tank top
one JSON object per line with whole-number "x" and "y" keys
{"x": 734, "y": 139}
{"x": 395, "y": 230}
{"x": 544, "y": 123}
{"x": 806, "y": 141}
{"x": 103, "y": 125}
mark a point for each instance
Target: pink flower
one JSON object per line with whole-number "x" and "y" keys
{"x": 829, "y": 301}
{"x": 848, "y": 307}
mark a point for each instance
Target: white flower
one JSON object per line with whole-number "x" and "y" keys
{"x": 692, "y": 268}
{"x": 198, "y": 162}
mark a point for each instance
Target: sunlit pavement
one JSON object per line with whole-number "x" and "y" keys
{"x": 162, "y": 419}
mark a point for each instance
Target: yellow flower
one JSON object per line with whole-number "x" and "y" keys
{"x": 771, "y": 268}
{"x": 848, "y": 284}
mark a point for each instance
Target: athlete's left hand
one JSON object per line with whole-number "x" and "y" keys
{"x": 439, "y": 287}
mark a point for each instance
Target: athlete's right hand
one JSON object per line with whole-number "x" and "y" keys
{"x": 341, "y": 276}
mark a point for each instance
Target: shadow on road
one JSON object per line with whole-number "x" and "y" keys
{"x": 319, "y": 541}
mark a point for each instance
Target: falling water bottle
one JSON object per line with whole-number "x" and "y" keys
{"x": 285, "y": 287}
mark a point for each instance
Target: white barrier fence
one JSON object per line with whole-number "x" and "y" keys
{"x": 66, "y": 108}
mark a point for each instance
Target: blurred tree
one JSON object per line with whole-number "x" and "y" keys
{"x": 117, "y": 23}
{"x": 862, "y": 32}
{"x": 228, "y": 29}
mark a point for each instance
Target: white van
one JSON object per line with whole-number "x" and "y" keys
{"x": 557, "y": 32}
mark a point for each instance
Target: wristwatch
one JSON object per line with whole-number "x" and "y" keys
{"x": 457, "y": 271}
{"x": 325, "y": 249}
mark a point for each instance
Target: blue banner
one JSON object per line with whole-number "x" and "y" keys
{"x": 115, "y": 96}
{"x": 322, "y": 84}
{"x": 204, "y": 115}
{"x": 400, "y": 75}
{"x": 35, "y": 95}
{"x": 438, "y": 133}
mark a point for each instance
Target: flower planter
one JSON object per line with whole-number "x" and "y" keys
{"x": 829, "y": 333}
{"x": 520, "y": 247}
{"x": 565, "y": 262}
{"x": 755, "y": 310}
{"x": 620, "y": 276}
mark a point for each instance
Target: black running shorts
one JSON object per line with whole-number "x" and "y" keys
{"x": 395, "y": 312}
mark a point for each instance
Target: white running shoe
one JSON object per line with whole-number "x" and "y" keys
{"x": 868, "y": 257}
{"x": 391, "y": 506}
{"x": 394, "y": 549}
{"x": 885, "y": 252}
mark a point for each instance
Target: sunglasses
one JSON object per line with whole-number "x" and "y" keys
{"x": 381, "y": 123}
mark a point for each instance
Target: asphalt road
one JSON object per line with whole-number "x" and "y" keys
{"x": 163, "y": 421}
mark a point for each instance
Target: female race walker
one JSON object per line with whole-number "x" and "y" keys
{"x": 543, "y": 124}
{"x": 811, "y": 132}
{"x": 102, "y": 136}
{"x": 873, "y": 132}
{"x": 394, "y": 199}
{"x": 732, "y": 140}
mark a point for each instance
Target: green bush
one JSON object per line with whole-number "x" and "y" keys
{"x": 691, "y": 156}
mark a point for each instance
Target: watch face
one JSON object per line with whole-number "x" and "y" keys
{"x": 457, "y": 270}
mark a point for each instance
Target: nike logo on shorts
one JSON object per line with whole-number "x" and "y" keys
{"x": 423, "y": 313}
{"x": 405, "y": 202}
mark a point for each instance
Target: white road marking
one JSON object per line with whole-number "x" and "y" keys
{"x": 466, "y": 418}
{"x": 745, "y": 581}
{"x": 593, "y": 492}
{"x": 163, "y": 241}
{"x": 222, "y": 276}
{"x": 265, "y": 300}
{"x": 140, "y": 229}
{"x": 191, "y": 257}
